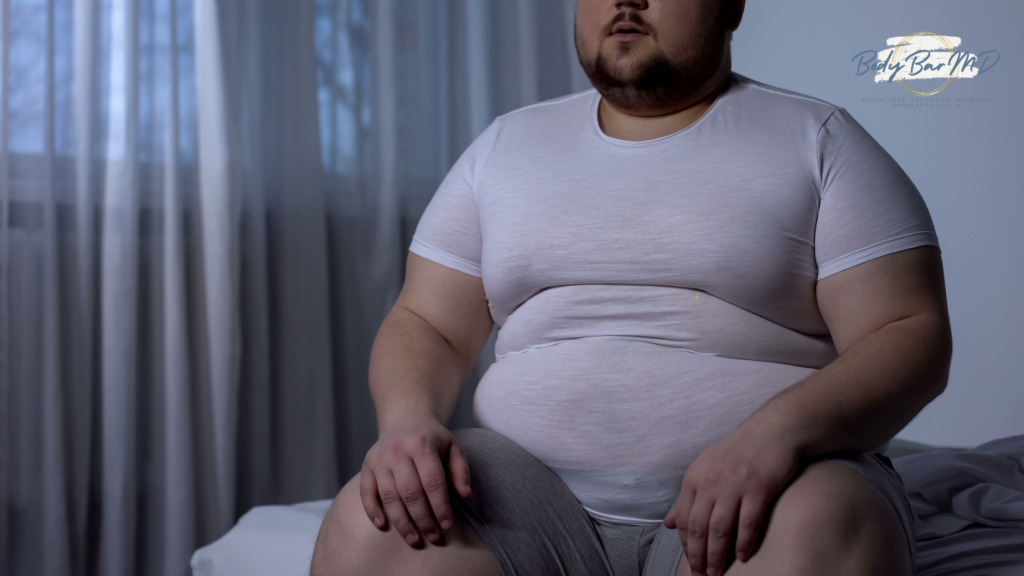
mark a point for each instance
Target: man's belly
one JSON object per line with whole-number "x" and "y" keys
{"x": 620, "y": 420}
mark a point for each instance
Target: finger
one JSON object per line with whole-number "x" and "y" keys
{"x": 682, "y": 508}
{"x": 752, "y": 510}
{"x": 410, "y": 488}
{"x": 369, "y": 495}
{"x": 697, "y": 533}
{"x": 391, "y": 498}
{"x": 720, "y": 529}
{"x": 458, "y": 466}
{"x": 670, "y": 519}
{"x": 435, "y": 484}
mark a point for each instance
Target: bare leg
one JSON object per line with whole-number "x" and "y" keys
{"x": 829, "y": 520}
{"x": 349, "y": 544}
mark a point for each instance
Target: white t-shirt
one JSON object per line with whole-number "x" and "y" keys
{"x": 651, "y": 296}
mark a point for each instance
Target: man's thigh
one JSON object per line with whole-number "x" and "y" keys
{"x": 349, "y": 543}
{"x": 840, "y": 499}
{"x": 525, "y": 514}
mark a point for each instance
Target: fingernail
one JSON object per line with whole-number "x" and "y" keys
{"x": 432, "y": 537}
{"x": 410, "y": 538}
{"x": 712, "y": 572}
{"x": 376, "y": 521}
{"x": 446, "y": 524}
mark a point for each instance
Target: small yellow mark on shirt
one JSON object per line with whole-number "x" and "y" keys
{"x": 695, "y": 297}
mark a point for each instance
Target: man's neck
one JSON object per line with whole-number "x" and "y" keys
{"x": 653, "y": 124}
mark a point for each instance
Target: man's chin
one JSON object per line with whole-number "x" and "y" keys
{"x": 625, "y": 76}
{"x": 621, "y": 82}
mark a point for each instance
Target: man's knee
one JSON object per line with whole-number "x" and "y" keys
{"x": 833, "y": 515}
{"x": 343, "y": 538}
{"x": 827, "y": 500}
{"x": 349, "y": 544}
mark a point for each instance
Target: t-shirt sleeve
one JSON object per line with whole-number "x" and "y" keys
{"x": 449, "y": 231}
{"x": 868, "y": 205}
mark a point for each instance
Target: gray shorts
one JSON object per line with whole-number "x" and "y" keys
{"x": 534, "y": 526}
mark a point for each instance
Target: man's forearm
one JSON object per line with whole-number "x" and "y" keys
{"x": 414, "y": 371}
{"x": 863, "y": 398}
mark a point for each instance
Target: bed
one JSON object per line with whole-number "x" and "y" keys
{"x": 969, "y": 507}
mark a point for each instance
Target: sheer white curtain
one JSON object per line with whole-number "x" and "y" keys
{"x": 205, "y": 209}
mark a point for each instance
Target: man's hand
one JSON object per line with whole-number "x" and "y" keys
{"x": 739, "y": 475}
{"x": 404, "y": 478}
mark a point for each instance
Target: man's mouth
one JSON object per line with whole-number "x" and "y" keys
{"x": 628, "y": 31}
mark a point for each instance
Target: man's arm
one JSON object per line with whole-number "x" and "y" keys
{"x": 890, "y": 324}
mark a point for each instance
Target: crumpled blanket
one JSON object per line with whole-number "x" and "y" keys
{"x": 951, "y": 490}
{"x": 969, "y": 508}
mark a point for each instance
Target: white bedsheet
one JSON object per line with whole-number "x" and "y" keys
{"x": 266, "y": 541}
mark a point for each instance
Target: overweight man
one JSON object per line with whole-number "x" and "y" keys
{"x": 718, "y": 301}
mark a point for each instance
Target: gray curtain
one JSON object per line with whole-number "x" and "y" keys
{"x": 205, "y": 210}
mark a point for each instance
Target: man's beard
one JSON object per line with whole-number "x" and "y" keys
{"x": 660, "y": 82}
